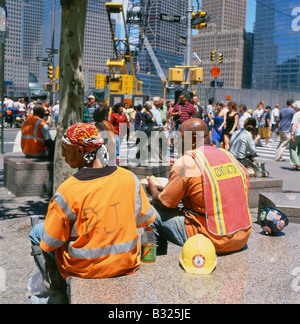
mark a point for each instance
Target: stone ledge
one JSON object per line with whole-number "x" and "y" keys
{"x": 27, "y": 176}
{"x": 262, "y": 273}
{"x": 287, "y": 203}
{"x": 257, "y": 185}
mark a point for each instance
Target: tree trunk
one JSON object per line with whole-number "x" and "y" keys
{"x": 71, "y": 82}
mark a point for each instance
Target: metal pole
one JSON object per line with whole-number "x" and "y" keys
{"x": 217, "y": 22}
{"x": 189, "y": 42}
{"x": 52, "y": 47}
{"x": 2, "y": 90}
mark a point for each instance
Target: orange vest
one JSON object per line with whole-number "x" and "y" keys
{"x": 32, "y": 140}
{"x": 92, "y": 224}
{"x": 226, "y": 188}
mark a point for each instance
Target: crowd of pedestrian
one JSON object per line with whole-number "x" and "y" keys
{"x": 234, "y": 127}
{"x": 225, "y": 120}
{"x": 22, "y": 110}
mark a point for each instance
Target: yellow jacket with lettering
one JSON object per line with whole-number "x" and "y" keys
{"x": 92, "y": 223}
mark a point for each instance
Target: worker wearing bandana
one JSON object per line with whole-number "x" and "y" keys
{"x": 93, "y": 217}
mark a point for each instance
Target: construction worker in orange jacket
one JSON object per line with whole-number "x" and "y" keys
{"x": 213, "y": 187}
{"x": 93, "y": 217}
{"x": 36, "y": 140}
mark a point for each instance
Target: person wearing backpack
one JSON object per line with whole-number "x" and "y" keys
{"x": 264, "y": 127}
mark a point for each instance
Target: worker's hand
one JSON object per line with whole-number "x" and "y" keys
{"x": 152, "y": 187}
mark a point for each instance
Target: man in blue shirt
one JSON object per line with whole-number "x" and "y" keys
{"x": 285, "y": 128}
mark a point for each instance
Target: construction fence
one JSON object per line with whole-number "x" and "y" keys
{"x": 249, "y": 97}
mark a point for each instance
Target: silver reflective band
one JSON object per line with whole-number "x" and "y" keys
{"x": 101, "y": 252}
{"x": 145, "y": 217}
{"x": 138, "y": 200}
{"x": 50, "y": 241}
{"x": 61, "y": 202}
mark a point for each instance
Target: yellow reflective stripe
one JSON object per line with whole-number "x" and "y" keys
{"x": 216, "y": 195}
{"x": 244, "y": 177}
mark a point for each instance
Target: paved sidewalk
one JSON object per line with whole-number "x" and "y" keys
{"x": 16, "y": 263}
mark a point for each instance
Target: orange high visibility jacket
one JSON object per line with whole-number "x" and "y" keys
{"x": 92, "y": 223}
{"x": 226, "y": 188}
{"x": 32, "y": 140}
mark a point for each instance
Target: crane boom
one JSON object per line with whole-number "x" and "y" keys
{"x": 155, "y": 61}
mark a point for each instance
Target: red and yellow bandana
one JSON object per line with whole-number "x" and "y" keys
{"x": 85, "y": 135}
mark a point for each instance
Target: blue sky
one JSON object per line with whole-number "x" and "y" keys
{"x": 251, "y": 15}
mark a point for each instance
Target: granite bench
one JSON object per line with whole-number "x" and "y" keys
{"x": 287, "y": 203}
{"x": 258, "y": 185}
{"x": 263, "y": 273}
{"x": 27, "y": 176}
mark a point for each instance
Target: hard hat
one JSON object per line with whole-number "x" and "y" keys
{"x": 18, "y": 118}
{"x": 198, "y": 255}
{"x": 272, "y": 221}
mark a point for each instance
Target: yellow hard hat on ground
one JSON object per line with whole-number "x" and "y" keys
{"x": 198, "y": 255}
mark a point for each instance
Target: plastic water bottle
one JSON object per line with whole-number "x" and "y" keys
{"x": 148, "y": 251}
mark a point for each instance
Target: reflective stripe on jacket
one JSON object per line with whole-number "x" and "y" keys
{"x": 93, "y": 223}
{"x": 32, "y": 140}
{"x": 226, "y": 190}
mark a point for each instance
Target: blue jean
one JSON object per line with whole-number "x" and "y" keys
{"x": 168, "y": 226}
{"x": 35, "y": 236}
{"x": 117, "y": 138}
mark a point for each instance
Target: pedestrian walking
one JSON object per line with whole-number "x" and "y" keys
{"x": 274, "y": 117}
{"x": 217, "y": 138}
{"x": 264, "y": 128}
{"x": 295, "y": 138}
{"x": 257, "y": 114}
{"x": 243, "y": 115}
{"x": 117, "y": 118}
{"x": 182, "y": 111}
{"x": 91, "y": 106}
{"x": 284, "y": 127}
{"x": 55, "y": 112}
{"x": 232, "y": 119}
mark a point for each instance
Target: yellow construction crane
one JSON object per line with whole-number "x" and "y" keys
{"x": 122, "y": 79}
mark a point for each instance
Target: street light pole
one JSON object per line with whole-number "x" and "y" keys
{"x": 189, "y": 42}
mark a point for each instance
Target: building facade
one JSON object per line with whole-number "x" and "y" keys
{"x": 276, "y": 58}
{"x": 31, "y": 24}
{"x": 98, "y": 46}
{"x": 225, "y": 34}
{"x": 23, "y": 44}
{"x": 164, "y": 38}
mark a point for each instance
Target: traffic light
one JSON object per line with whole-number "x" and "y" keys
{"x": 199, "y": 19}
{"x": 56, "y": 72}
{"x": 212, "y": 56}
{"x": 50, "y": 72}
{"x": 220, "y": 58}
